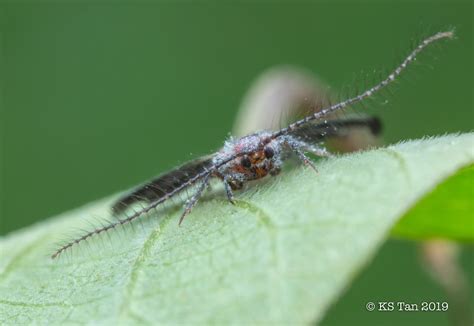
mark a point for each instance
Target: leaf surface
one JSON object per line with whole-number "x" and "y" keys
{"x": 283, "y": 253}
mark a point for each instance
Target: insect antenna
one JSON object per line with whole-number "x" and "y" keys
{"x": 138, "y": 213}
{"x": 371, "y": 91}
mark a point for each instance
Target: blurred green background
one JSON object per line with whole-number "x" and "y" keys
{"x": 99, "y": 97}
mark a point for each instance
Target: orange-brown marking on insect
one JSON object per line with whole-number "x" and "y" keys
{"x": 257, "y": 157}
{"x": 239, "y": 168}
{"x": 261, "y": 172}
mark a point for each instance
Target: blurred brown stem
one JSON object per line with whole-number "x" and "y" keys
{"x": 441, "y": 260}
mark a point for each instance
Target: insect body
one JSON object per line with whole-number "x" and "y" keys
{"x": 251, "y": 157}
{"x": 255, "y": 156}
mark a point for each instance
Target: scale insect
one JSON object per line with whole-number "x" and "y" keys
{"x": 251, "y": 157}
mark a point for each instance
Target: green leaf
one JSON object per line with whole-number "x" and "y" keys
{"x": 282, "y": 254}
{"x": 445, "y": 212}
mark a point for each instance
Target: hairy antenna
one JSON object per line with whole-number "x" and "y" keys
{"x": 142, "y": 211}
{"x": 371, "y": 91}
{"x": 129, "y": 219}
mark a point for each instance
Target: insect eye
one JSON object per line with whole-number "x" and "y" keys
{"x": 269, "y": 152}
{"x": 245, "y": 162}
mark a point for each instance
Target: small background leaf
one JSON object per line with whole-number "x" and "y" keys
{"x": 445, "y": 212}
{"x": 282, "y": 254}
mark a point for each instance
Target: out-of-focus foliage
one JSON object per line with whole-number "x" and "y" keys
{"x": 446, "y": 212}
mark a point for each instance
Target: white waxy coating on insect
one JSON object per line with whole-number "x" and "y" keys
{"x": 246, "y": 144}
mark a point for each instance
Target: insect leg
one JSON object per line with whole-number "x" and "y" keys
{"x": 318, "y": 151}
{"x": 275, "y": 171}
{"x": 298, "y": 147}
{"x": 305, "y": 159}
{"x": 228, "y": 191}
{"x": 194, "y": 199}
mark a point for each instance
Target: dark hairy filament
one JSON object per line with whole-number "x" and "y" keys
{"x": 371, "y": 91}
{"x": 132, "y": 217}
{"x": 201, "y": 175}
